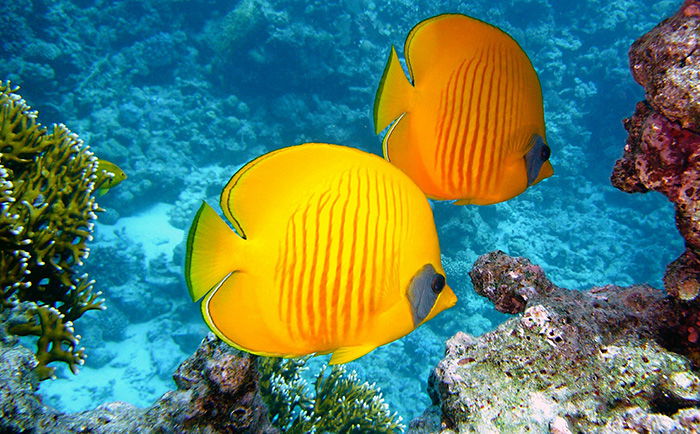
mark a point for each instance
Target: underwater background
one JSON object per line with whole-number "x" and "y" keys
{"x": 180, "y": 94}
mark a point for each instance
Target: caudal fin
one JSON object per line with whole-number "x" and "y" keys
{"x": 393, "y": 94}
{"x": 212, "y": 252}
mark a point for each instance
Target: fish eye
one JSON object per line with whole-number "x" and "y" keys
{"x": 438, "y": 283}
{"x": 545, "y": 153}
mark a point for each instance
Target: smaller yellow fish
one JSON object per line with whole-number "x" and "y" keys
{"x": 108, "y": 175}
{"x": 468, "y": 123}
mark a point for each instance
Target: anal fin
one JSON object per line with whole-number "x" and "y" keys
{"x": 348, "y": 354}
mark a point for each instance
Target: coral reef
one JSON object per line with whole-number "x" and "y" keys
{"x": 662, "y": 152}
{"x": 574, "y": 361}
{"x": 140, "y": 82}
{"x": 48, "y": 213}
{"x": 219, "y": 389}
{"x": 217, "y": 392}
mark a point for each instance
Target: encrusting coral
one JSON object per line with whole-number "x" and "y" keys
{"x": 47, "y": 213}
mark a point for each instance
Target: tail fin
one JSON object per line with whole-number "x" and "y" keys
{"x": 393, "y": 95}
{"x": 212, "y": 252}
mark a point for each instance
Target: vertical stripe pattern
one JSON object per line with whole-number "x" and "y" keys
{"x": 339, "y": 259}
{"x": 478, "y": 109}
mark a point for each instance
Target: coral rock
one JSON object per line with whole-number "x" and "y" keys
{"x": 218, "y": 386}
{"x": 661, "y": 156}
{"x": 507, "y": 290}
{"x": 682, "y": 278}
{"x": 574, "y": 361}
{"x": 667, "y": 63}
{"x": 662, "y": 152}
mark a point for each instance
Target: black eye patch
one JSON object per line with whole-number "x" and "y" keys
{"x": 534, "y": 159}
{"x": 423, "y": 292}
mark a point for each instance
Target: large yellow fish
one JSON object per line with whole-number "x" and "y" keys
{"x": 334, "y": 250}
{"x": 469, "y": 126}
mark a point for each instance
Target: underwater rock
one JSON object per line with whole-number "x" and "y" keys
{"x": 509, "y": 295}
{"x": 20, "y": 408}
{"x": 637, "y": 420}
{"x": 662, "y": 152}
{"x": 661, "y": 156}
{"x": 574, "y": 361}
{"x": 217, "y": 392}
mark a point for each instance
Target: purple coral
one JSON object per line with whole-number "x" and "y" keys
{"x": 663, "y": 148}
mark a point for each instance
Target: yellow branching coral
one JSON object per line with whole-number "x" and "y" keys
{"x": 47, "y": 213}
{"x": 57, "y": 340}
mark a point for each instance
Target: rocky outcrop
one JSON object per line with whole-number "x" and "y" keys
{"x": 217, "y": 391}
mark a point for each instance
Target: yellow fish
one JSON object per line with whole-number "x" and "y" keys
{"x": 469, "y": 126}
{"x": 108, "y": 175}
{"x": 334, "y": 251}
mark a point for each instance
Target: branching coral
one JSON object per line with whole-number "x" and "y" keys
{"x": 340, "y": 402}
{"x": 57, "y": 341}
{"x": 47, "y": 213}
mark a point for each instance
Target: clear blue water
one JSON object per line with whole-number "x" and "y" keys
{"x": 181, "y": 93}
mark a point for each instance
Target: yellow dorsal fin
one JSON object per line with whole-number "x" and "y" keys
{"x": 393, "y": 95}
{"x": 213, "y": 249}
{"x": 227, "y": 202}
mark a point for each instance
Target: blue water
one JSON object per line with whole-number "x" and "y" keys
{"x": 182, "y": 93}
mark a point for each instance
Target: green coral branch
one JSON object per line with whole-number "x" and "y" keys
{"x": 20, "y": 135}
{"x": 57, "y": 339}
{"x": 13, "y": 264}
{"x": 81, "y": 299}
